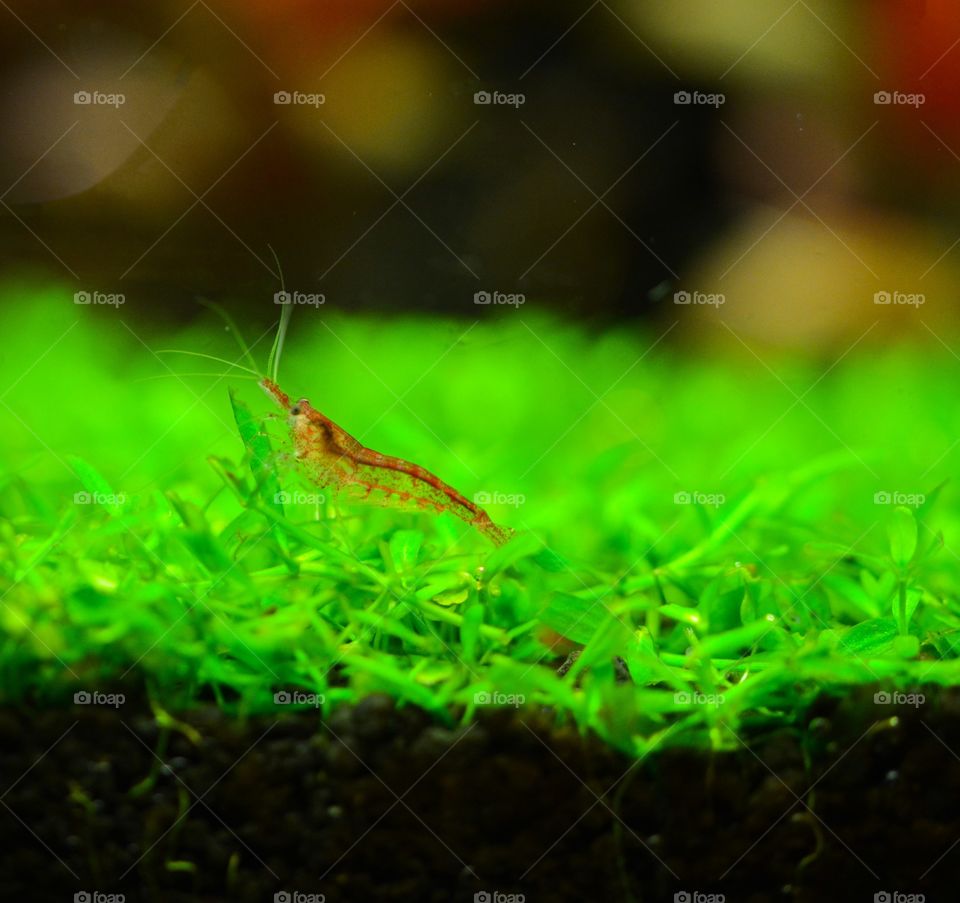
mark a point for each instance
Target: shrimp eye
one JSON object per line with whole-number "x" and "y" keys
{"x": 295, "y": 410}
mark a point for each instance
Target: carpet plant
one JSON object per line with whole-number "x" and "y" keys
{"x": 737, "y": 529}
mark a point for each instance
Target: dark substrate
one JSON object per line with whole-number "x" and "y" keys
{"x": 845, "y": 809}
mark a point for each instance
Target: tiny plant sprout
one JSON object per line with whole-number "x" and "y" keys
{"x": 902, "y": 535}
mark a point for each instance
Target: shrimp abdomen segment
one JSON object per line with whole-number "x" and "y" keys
{"x": 430, "y": 491}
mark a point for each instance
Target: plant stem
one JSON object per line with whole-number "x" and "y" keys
{"x": 902, "y": 607}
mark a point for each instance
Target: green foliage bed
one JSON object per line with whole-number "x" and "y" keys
{"x": 741, "y": 528}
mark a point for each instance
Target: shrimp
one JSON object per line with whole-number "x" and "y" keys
{"x": 330, "y": 456}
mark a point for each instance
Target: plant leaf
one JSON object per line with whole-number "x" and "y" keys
{"x": 902, "y": 533}
{"x": 869, "y": 637}
{"x": 576, "y": 619}
{"x": 98, "y": 490}
{"x": 405, "y": 549}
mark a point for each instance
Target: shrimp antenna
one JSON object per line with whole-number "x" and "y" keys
{"x": 144, "y": 379}
{"x": 232, "y": 326}
{"x": 273, "y": 361}
{"x": 209, "y": 357}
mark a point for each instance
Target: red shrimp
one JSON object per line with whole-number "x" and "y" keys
{"x": 332, "y": 457}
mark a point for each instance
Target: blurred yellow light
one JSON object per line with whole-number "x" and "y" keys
{"x": 749, "y": 37}
{"x": 387, "y": 99}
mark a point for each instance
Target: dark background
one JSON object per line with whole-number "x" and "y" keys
{"x": 500, "y": 198}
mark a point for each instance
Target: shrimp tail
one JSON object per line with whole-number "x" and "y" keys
{"x": 494, "y": 532}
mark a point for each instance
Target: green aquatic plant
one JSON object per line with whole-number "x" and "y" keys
{"x": 715, "y": 554}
